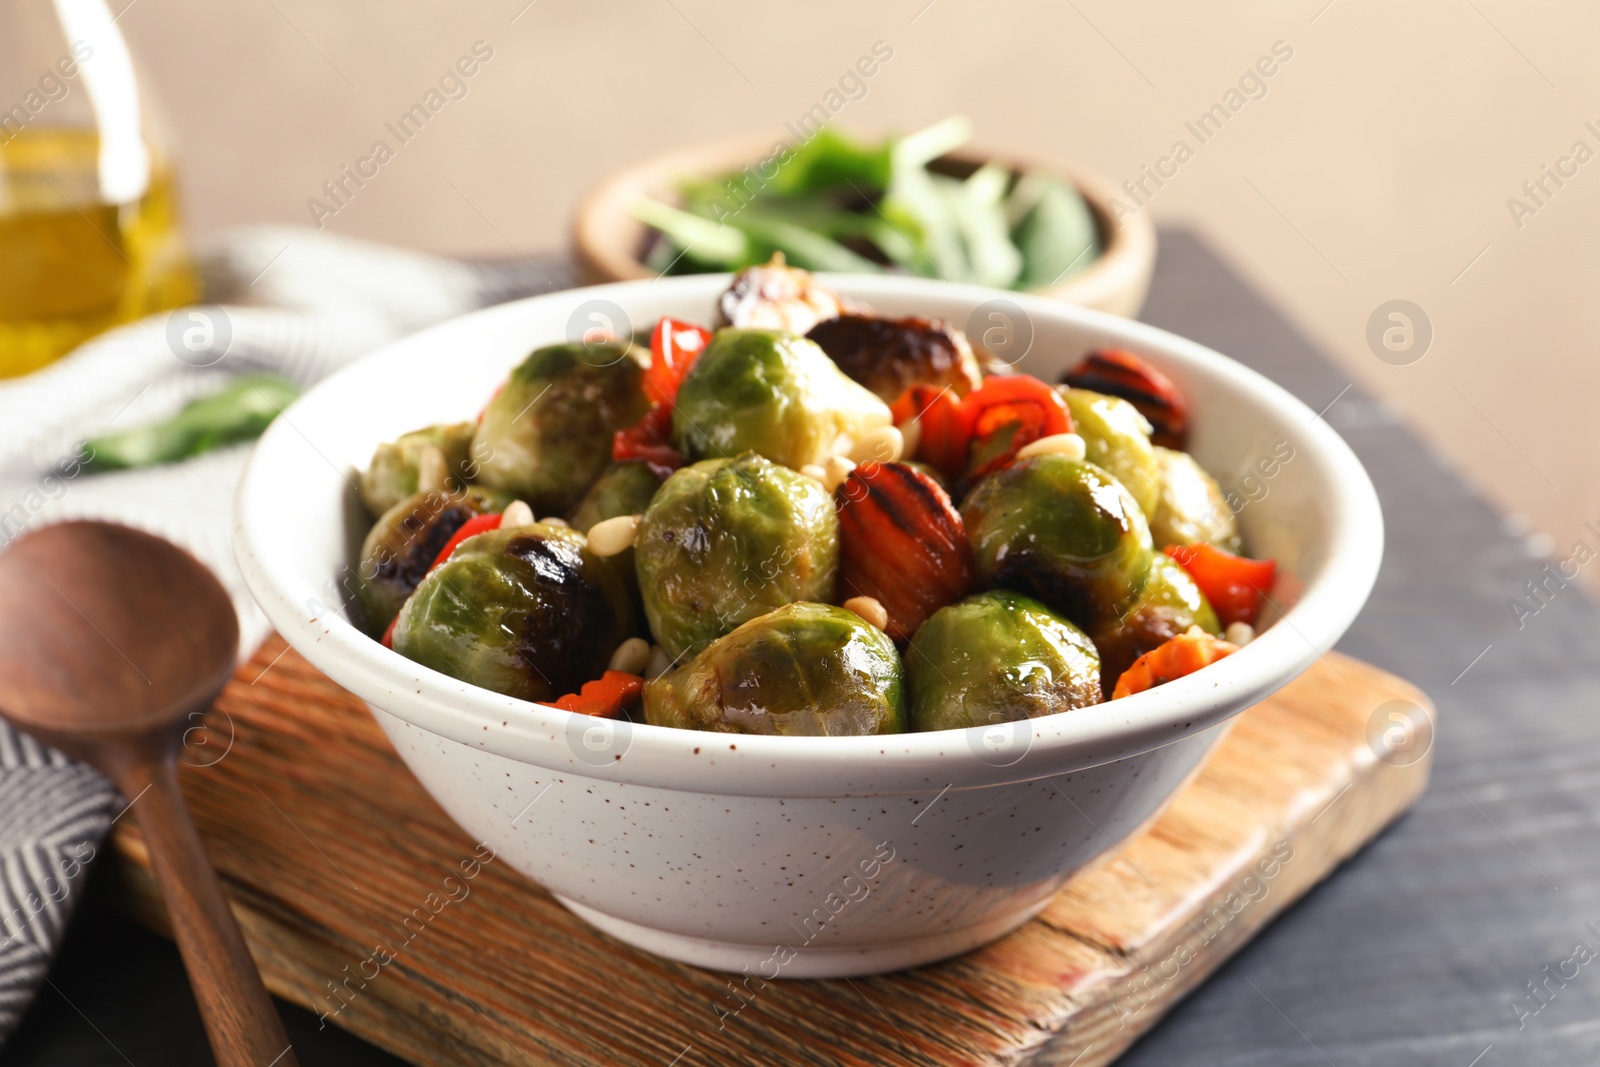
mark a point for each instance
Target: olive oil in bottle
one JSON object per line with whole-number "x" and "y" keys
{"x": 89, "y": 233}
{"x": 71, "y": 264}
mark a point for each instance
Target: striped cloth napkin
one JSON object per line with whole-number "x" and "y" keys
{"x": 299, "y": 303}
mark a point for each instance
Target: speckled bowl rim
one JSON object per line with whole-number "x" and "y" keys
{"x": 294, "y": 597}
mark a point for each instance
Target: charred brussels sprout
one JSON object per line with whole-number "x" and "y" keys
{"x": 772, "y": 393}
{"x": 804, "y": 669}
{"x": 1116, "y": 438}
{"x": 1063, "y": 531}
{"x": 1169, "y": 604}
{"x": 546, "y": 436}
{"x": 889, "y": 356}
{"x": 395, "y": 471}
{"x": 1192, "y": 508}
{"x": 724, "y": 541}
{"x": 624, "y": 489}
{"x": 527, "y": 612}
{"x": 404, "y": 542}
{"x": 997, "y": 657}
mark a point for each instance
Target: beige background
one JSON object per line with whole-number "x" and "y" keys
{"x": 1377, "y": 166}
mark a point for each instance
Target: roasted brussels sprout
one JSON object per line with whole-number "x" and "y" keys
{"x": 1116, "y": 438}
{"x": 527, "y": 612}
{"x": 804, "y": 669}
{"x": 1062, "y": 531}
{"x": 775, "y": 296}
{"x": 724, "y": 541}
{"x": 403, "y": 543}
{"x": 624, "y": 489}
{"x": 394, "y": 471}
{"x": 889, "y": 356}
{"x": 1192, "y": 507}
{"x": 772, "y": 393}
{"x": 1169, "y": 604}
{"x": 997, "y": 657}
{"x": 546, "y": 436}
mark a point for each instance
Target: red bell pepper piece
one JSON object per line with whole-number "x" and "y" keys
{"x": 471, "y": 528}
{"x": 1236, "y": 586}
{"x": 605, "y": 697}
{"x": 1007, "y": 412}
{"x": 938, "y": 411}
{"x": 647, "y": 440}
{"x": 674, "y": 346}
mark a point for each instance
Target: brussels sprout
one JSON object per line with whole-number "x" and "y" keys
{"x": 889, "y": 356}
{"x": 1169, "y": 604}
{"x": 1063, "y": 531}
{"x": 1117, "y": 438}
{"x": 772, "y": 393}
{"x": 804, "y": 669}
{"x": 624, "y": 489}
{"x": 403, "y": 543}
{"x": 997, "y": 657}
{"x": 527, "y": 612}
{"x": 546, "y": 436}
{"x": 1192, "y": 508}
{"x": 724, "y": 541}
{"x": 393, "y": 473}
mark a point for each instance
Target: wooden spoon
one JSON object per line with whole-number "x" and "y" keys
{"x": 109, "y": 640}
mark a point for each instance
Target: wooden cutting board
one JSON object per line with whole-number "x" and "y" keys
{"x": 326, "y": 844}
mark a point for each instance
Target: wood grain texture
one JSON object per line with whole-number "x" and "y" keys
{"x": 72, "y": 594}
{"x": 328, "y": 848}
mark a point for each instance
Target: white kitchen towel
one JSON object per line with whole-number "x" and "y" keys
{"x": 295, "y": 302}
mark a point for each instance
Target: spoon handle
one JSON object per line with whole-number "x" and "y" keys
{"x": 243, "y": 1026}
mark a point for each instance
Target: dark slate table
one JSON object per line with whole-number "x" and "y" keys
{"x": 1426, "y": 949}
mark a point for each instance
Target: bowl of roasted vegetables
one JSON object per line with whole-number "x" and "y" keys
{"x": 928, "y": 203}
{"x": 777, "y": 622}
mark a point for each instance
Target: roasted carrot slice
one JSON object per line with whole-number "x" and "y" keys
{"x": 901, "y": 542}
{"x": 1118, "y": 373}
{"x": 1178, "y": 656}
{"x": 944, "y": 426}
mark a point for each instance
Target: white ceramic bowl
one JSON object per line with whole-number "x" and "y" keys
{"x": 799, "y": 857}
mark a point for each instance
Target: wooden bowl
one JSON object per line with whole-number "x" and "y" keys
{"x": 610, "y": 243}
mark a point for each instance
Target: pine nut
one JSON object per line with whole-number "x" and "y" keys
{"x": 612, "y": 536}
{"x": 632, "y": 656}
{"x": 815, "y": 473}
{"x": 869, "y": 609}
{"x": 1239, "y": 633}
{"x": 836, "y": 469}
{"x": 1069, "y": 445}
{"x": 517, "y": 513}
{"x": 556, "y": 520}
{"x": 882, "y": 445}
